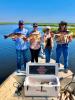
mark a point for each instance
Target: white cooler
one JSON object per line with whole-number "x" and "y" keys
{"x": 41, "y": 80}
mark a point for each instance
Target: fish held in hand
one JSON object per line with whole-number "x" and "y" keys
{"x": 14, "y": 35}
{"x": 34, "y": 36}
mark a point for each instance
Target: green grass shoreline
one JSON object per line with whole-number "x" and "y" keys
{"x": 53, "y": 25}
{"x": 40, "y": 24}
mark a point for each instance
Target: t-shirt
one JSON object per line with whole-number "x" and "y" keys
{"x": 19, "y": 42}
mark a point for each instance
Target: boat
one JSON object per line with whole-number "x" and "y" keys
{"x": 8, "y": 88}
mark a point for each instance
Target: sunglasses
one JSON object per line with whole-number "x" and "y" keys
{"x": 35, "y": 26}
{"x": 21, "y": 24}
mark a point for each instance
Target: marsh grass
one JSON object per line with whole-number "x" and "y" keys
{"x": 71, "y": 26}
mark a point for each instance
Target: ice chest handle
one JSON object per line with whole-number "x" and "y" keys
{"x": 42, "y": 69}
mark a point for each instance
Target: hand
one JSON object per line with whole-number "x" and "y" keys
{"x": 70, "y": 38}
{"x": 32, "y": 40}
{"x": 14, "y": 38}
{"x": 24, "y": 38}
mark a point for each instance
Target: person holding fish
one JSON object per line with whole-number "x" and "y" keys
{"x": 63, "y": 37}
{"x": 48, "y": 42}
{"x": 35, "y": 43}
{"x": 22, "y": 45}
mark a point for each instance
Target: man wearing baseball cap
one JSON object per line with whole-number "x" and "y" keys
{"x": 21, "y": 22}
{"x": 22, "y": 46}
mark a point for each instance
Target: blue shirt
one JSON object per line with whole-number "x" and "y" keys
{"x": 20, "y": 43}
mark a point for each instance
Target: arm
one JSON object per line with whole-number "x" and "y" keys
{"x": 44, "y": 39}
{"x": 70, "y": 36}
{"x": 52, "y": 34}
{"x": 51, "y": 41}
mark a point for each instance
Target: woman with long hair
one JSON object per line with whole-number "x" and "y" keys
{"x": 63, "y": 37}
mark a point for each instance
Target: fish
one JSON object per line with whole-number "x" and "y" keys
{"x": 63, "y": 38}
{"x": 34, "y": 36}
{"x": 19, "y": 35}
{"x": 14, "y": 35}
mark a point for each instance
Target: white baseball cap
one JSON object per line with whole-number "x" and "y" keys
{"x": 48, "y": 27}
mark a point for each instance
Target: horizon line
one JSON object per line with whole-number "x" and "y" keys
{"x": 12, "y": 22}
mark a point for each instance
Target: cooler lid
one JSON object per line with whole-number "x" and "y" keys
{"x": 41, "y": 69}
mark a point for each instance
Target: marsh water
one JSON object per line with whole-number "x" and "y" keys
{"x": 8, "y": 52}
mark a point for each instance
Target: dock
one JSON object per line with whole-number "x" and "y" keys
{"x": 7, "y": 90}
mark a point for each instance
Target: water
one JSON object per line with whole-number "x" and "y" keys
{"x": 8, "y": 52}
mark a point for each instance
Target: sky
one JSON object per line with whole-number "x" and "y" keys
{"x": 49, "y": 11}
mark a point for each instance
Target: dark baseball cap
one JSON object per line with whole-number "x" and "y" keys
{"x": 21, "y": 22}
{"x": 35, "y": 24}
{"x": 63, "y": 23}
